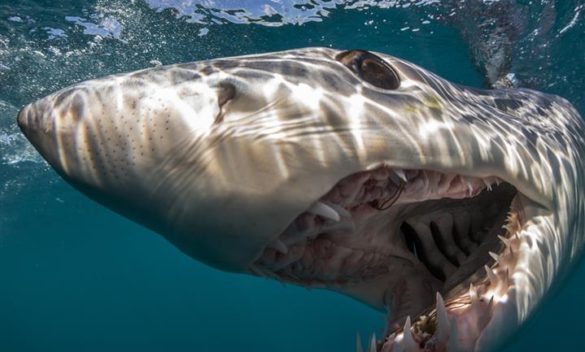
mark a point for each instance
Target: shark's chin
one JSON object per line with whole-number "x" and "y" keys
{"x": 435, "y": 249}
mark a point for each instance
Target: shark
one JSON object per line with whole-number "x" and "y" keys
{"x": 454, "y": 210}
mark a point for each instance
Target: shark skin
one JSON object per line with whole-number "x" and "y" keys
{"x": 452, "y": 209}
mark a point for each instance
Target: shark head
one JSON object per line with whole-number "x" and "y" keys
{"x": 453, "y": 209}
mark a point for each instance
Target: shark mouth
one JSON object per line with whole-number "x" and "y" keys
{"x": 434, "y": 248}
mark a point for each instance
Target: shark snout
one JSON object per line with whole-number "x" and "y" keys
{"x": 37, "y": 122}
{"x": 52, "y": 123}
{"x": 35, "y": 118}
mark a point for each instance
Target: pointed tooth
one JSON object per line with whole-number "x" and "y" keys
{"x": 372, "y": 347}
{"x": 504, "y": 240}
{"x": 443, "y": 325}
{"x": 468, "y": 181}
{"x": 279, "y": 246}
{"x": 324, "y": 210}
{"x": 358, "y": 343}
{"x": 397, "y": 181}
{"x": 407, "y": 340}
{"x": 487, "y": 183}
{"x": 494, "y": 255}
{"x": 401, "y": 174}
{"x": 473, "y": 294}
{"x": 491, "y": 275}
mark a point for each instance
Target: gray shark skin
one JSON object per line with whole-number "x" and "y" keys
{"x": 453, "y": 209}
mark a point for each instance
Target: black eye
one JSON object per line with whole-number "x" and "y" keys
{"x": 370, "y": 68}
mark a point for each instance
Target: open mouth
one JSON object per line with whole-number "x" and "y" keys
{"x": 435, "y": 246}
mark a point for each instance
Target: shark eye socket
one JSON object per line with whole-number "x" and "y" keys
{"x": 370, "y": 68}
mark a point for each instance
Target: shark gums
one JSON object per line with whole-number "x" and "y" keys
{"x": 453, "y": 209}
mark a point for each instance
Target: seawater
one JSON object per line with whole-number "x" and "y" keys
{"x": 77, "y": 277}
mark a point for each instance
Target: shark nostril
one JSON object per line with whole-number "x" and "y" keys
{"x": 225, "y": 92}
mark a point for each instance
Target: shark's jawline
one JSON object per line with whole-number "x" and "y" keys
{"x": 453, "y": 209}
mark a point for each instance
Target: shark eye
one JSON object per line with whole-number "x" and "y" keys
{"x": 370, "y": 68}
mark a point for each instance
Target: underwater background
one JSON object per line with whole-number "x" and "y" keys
{"x": 75, "y": 276}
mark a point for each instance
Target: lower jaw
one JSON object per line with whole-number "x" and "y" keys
{"x": 429, "y": 289}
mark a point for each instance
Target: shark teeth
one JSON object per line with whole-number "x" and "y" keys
{"x": 413, "y": 339}
{"x": 504, "y": 240}
{"x": 443, "y": 325}
{"x": 324, "y": 210}
{"x": 401, "y": 175}
{"x": 372, "y": 346}
{"x": 473, "y": 294}
{"x": 407, "y": 339}
{"x": 492, "y": 277}
{"x": 468, "y": 183}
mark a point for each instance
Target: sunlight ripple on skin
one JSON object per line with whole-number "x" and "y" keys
{"x": 450, "y": 208}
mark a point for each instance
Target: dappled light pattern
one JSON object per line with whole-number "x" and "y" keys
{"x": 311, "y": 169}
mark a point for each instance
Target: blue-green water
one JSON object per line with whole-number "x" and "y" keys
{"x": 77, "y": 277}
